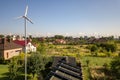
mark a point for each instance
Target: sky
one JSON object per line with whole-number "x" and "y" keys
{"x": 64, "y": 17}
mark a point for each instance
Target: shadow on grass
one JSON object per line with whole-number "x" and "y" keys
{"x": 22, "y": 77}
{"x": 19, "y": 77}
{"x": 5, "y": 76}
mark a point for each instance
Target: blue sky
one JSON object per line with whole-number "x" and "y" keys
{"x": 67, "y": 17}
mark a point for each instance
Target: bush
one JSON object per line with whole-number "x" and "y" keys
{"x": 119, "y": 54}
{"x": 115, "y": 55}
{"x": 93, "y": 48}
{"x": 87, "y": 62}
{"x": 115, "y": 67}
{"x": 109, "y": 47}
{"x": 102, "y": 55}
{"x": 2, "y": 61}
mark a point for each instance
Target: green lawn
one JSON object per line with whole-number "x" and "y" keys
{"x": 3, "y": 72}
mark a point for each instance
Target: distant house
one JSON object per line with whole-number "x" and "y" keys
{"x": 41, "y": 39}
{"x": 59, "y": 41}
{"x": 99, "y": 40}
{"x": 29, "y": 46}
{"x": 17, "y": 37}
{"x": 8, "y": 48}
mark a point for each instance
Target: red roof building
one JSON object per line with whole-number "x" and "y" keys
{"x": 8, "y": 48}
{"x": 21, "y": 42}
{"x": 29, "y": 46}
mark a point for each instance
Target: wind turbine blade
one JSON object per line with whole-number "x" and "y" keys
{"x": 29, "y": 20}
{"x": 26, "y": 10}
{"x": 19, "y": 17}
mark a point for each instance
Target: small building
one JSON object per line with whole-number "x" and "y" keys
{"x": 59, "y": 41}
{"x": 8, "y": 48}
{"x": 95, "y": 40}
{"x": 29, "y": 46}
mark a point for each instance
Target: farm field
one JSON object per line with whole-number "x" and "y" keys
{"x": 82, "y": 54}
{"x": 94, "y": 62}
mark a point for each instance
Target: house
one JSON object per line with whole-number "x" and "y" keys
{"x": 8, "y": 48}
{"x": 95, "y": 40}
{"x": 17, "y": 37}
{"x": 59, "y": 41}
{"x": 64, "y": 70}
{"x": 41, "y": 39}
{"x": 29, "y": 46}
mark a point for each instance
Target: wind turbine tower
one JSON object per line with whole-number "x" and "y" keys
{"x": 25, "y": 25}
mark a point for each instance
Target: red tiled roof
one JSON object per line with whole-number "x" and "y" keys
{"x": 21, "y": 42}
{"x": 8, "y": 46}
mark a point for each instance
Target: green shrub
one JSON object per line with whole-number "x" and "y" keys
{"x": 2, "y": 61}
{"x": 115, "y": 67}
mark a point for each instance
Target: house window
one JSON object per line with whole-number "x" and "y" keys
{"x": 7, "y": 55}
{"x": 17, "y": 50}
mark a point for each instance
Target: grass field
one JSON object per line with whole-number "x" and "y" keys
{"x": 4, "y": 75}
{"x": 3, "y": 72}
{"x": 93, "y": 62}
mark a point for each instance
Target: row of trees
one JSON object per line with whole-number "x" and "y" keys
{"x": 103, "y": 47}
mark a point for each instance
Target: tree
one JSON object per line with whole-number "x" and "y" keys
{"x": 105, "y": 65}
{"x": 8, "y": 36}
{"x": 115, "y": 67}
{"x": 13, "y": 68}
{"x": 108, "y": 54}
{"x": 35, "y": 64}
{"x": 17, "y": 37}
{"x": 1, "y": 36}
{"x": 30, "y": 36}
{"x": 119, "y": 37}
{"x": 93, "y": 50}
{"x": 59, "y": 37}
{"x": 81, "y": 38}
{"x": 111, "y": 37}
{"x": 109, "y": 47}
{"x": 42, "y": 48}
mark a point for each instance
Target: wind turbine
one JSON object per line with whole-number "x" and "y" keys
{"x": 25, "y": 24}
